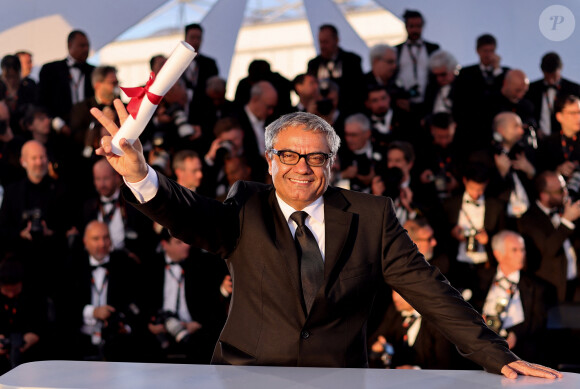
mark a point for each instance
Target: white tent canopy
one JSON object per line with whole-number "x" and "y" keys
{"x": 41, "y": 27}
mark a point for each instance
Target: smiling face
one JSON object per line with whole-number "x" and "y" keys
{"x": 299, "y": 185}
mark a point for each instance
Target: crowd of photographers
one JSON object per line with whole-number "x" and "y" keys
{"x": 482, "y": 166}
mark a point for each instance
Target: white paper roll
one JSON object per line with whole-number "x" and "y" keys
{"x": 173, "y": 68}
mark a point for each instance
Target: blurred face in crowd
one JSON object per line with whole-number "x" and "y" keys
{"x": 569, "y": 118}
{"x": 396, "y": 158}
{"x": 474, "y": 189}
{"x": 511, "y": 130}
{"x": 158, "y": 63}
{"x": 175, "y": 249}
{"x": 554, "y": 77}
{"x": 425, "y": 241}
{"x": 378, "y": 102}
{"x": 11, "y": 290}
{"x": 263, "y": 106}
{"x": 79, "y": 48}
{"x": 385, "y": 66}
{"x": 236, "y": 169}
{"x": 190, "y": 174}
{"x": 356, "y": 136}
{"x": 11, "y": 77}
{"x": 486, "y": 54}
{"x": 236, "y": 137}
{"x": 514, "y": 256}
{"x": 105, "y": 179}
{"x": 40, "y": 125}
{"x": 106, "y": 89}
{"x": 442, "y": 75}
{"x": 299, "y": 185}
{"x": 328, "y": 43}
{"x": 34, "y": 160}
{"x": 194, "y": 37}
{"x": 25, "y": 64}
{"x": 414, "y": 27}
{"x": 443, "y": 137}
{"x": 555, "y": 193}
{"x": 308, "y": 89}
{"x": 515, "y": 85}
{"x": 400, "y": 303}
{"x": 97, "y": 240}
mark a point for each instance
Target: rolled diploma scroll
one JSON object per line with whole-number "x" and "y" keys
{"x": 173, "y": 68}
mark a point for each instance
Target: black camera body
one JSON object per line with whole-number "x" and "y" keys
{"x": 34, "y": 216}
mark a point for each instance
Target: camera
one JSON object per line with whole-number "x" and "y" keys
{"x": 382, "y": 359}
{"x": 34, "y": 216}
{"x": 414, "y": 91}
{"x": 573, "y": 185}
{"x": 12, "y": 345}
{"x": 179, "y": 117}
{"x": 471, "y": 245}
{"x": 495, "y": 322}
{"x": 174, "y": 328}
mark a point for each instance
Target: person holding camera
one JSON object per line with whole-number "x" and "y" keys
{"x": 184, "y": 300}
{"x": 551, "y": 236}
{"x": 513, "y": 302}
{"x": 472, "y": 218}
{"x": 413, "y": 57}
{"x": 33, "y": 220}
{"x": 22, "y": 317}
{"x": 103, "y": 308}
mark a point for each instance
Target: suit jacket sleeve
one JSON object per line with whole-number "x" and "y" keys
{"x": 423, "y": 286}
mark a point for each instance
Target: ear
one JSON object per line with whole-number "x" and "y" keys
{"x": 269, "y": 159}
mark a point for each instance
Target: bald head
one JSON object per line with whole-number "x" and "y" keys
{"x": 34, "y": 160}
{"x": 97, "y": 240}
{"x": 509, "y": 126}
{"x": 105, "y": 179}
{"x": 263, "y": 99}
{"x": 515, "y": 85}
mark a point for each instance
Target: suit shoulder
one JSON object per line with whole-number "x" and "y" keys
{"x": 241, "y": 191}
{"x": 359, "y": 198}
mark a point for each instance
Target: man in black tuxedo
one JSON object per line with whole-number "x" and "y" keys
{"x": 384, "y": 72}
{"x": 104, "y": 313}
{"x": 413, "y": 55}
{"x": 183, "y": 284}
{"x": 199, "y": 70}
{"x": 68, "y": 81}
{"x": 551, "y": 237}
{"x": 543, "y": 92}
{"x": 340, "y": 66}
{"x": 438, "y": 96}
{"x": 513, "y": 302}
{"x": 473, "y": 87}
{"x": 305, "y": 301}
{"x": 306, "y": 87}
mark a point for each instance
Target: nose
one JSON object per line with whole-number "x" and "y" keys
{"x": 302, "y": 166}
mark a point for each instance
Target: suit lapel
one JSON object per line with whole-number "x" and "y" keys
{"x": 337, "y": 225}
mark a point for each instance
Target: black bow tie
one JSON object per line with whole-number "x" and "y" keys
{"x": 377, "y": 119}
{"x": 550, "y": 86}
{"x": 110, "y": 201}
{"x": 78, "y": 65}
{"x": 476, "y": 203}
{"x": 101, "y": 265}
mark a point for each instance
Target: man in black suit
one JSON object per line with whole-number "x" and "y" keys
{"x": 438, "y": 96}
{"x": 384, "y": 72}
{"x": 473, "y": 87}
{"x": 551, "y": 237}
{"x": 340, "y": 66}
{"x": 103, "y": 307}
{"x": 68, "y": 81}
{"x": 199, "y": 70}
{"x": 513, "y": 302}
{"x": 306, "y": 87}
{"x": 413, "y": 55}
{"x": 184, "y": 299}
{"x": 543, "y": 92}
{"x": 305, "y": 301}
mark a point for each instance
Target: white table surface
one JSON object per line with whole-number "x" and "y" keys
{"x": 117, "y": 375}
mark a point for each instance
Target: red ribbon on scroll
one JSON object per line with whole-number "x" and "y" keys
{"x": 137, "y": 94}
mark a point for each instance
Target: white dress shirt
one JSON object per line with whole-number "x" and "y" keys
{"x": 116, "y": 225}
{"x": 174, "y": 285}
{"x": 514, "y": 312}
{"x": 411, "y": 58}
{"x": 99, "y": 287}
{"x": 471, "y": 216}
{"x": 77, "y": 81}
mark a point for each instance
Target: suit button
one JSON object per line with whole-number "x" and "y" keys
{"x": 305, "y": 334}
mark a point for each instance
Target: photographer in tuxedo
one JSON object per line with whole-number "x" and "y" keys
{"x": 300, "y": 299}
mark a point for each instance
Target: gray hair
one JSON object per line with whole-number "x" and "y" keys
{"x": 309, "y": 122}
{"x": 443, "y": 58}
{"x": 216, "y": 83}
{"x": 377, "y": 51}
{"x": 259, "y": 88}
{"x": 498, "y": 240}
{"x": 360, "y": 119}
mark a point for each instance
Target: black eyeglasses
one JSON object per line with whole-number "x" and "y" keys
{"x": 289, "y": 157}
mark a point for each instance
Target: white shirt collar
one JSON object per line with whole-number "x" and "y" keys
{"x": 479, "y": 201}
{"x": 314, "y": 209}
{"x": 543, "y": 208}
{"x": 114, "y": 197}
{"x": 93, "y": 261}
{"x": 513, "y": 277}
